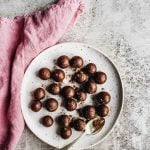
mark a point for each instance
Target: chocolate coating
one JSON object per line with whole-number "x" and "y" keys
{"x": 68, "y": 92}
{"x": 54, "y": 88}
{"x": 80, "y": 77}
{"x": 90, "y": 87}
{"x": 44, "y": 73}
{"x": 36, "y": 105}
{"x": 47, "y": 121}
{"x": 80, "y": 95}
{"x": 58, "y": 75}
{"x": 91, "y": 68}
{"x": 63, "y": 61}
{"x": 71, "y": 104}
{"x": 103, "y": 97}
{"x": 64, "y": 120}
{"x": 76, "y": 62}
{"x": 66, "y": 132}
{"x": 79, "y": 124}
{"x": 102, "y": 110}
{"x": 89, "y": 112}
{"x": 51, "y": 104}
{"x": 39, "y": 93}
{"x": 100, "y": 77}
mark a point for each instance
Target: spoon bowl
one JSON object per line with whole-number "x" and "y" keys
{"x": 94, "y": 125}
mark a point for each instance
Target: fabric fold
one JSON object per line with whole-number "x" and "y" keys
{"x": 27, "y": 37}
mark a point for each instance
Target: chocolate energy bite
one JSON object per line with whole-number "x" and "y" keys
{"x": 39, "y": 93}
{"x": 76, "y": 62}
{"x": 71, "y": 104}
{"x": 90, "y": 68}
{"x": 103, "y": 97}
{"x": 36, "y": 105}
{"x": 63, "y": 61}
{"x": 58, "y": 75}
{"x": 68, "y": 92}
{"x": 100, "y": 77}
{"x": 44, "y": 73}
{"x": 47, "y": 121}
{"x": 51, "y": 104}
{"x": 79, "y": 124}
{"x": 54, "y": 88}
{"x": 66, "y": 132}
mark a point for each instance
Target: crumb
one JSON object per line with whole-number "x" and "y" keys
{"x": 54, "y": 67}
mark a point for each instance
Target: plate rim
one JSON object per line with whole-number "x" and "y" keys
{"x": 121, "y": 83}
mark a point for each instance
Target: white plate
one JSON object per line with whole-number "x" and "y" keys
{"x": 31, "y": 81}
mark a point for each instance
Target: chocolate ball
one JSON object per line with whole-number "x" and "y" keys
{"x": 79, "y": 124}
{"x": 44, "y": 73}
{"x": 102, "y": 110}
{"x": 80, "y": 95}
{"x": 90, "y": 87}
{"x": 51, "y": 104}
{"x": 63, "y": 61}
{"x": 71, "y": 104}
{"x": 64, "y": 120}
{"x": 68, "y": 92}
{"x": 39, "y": 93}
{"x": 100, "y": 77}
{"x": 36, "y": 105}
{"x": 54, "y": 88}
{"x": 76, "y": 62}
{"x": 80, "y": 77}
{"x": 103, "y": 97}
{"x": 58, "y": 75}
{"x": 91, "y": 68}
{"x": 47, "y": 121}
{"x": 89, "y": 112}
{"x": 66, "y": 132}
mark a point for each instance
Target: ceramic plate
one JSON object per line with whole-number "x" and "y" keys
{"x": 31, "y": 81}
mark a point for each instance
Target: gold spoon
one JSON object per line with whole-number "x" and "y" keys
{"x": 92, "y": 127}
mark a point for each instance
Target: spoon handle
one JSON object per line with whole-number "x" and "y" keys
{"x": 70, "y": 146}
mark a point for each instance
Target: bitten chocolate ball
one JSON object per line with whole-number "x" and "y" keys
{"x": 89, "y": 112}
{"x": 71, "y": 104}
{"x": 63, "y": 61}
{"x": 80, "y": 95}
{"x": 66, "y": 132}
{"x": 100, "y": 77}
{"x": 39, "y": 93}
{"x": 64, "y": 120}
{"x": 102, "y": 110}
{"x": 58, "y": 75}
{"x": 36, "y": 105}
{"x": 79, "y": 124}
{"x": 98, "y": 123}
{"x": 54, "y": 88}
{"x": 44, "y": 73}
{"x": 91, "y": 68}
{"x": 90, "y": 87}
{"x": 51, "y": 104}
{"x": 103, "y": 97}
{"x": 68, "y": 92}
{"x": 80, "y": 77}
{"x": 47, "y": 121}
{"x": 76, "y": 62}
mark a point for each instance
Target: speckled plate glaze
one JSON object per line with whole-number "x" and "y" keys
{"x": 31, "y": 81}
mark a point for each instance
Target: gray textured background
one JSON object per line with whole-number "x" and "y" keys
{"x": 121, "y": 28}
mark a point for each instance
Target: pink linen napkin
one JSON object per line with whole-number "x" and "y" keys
{"x": 21, "y": 40}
